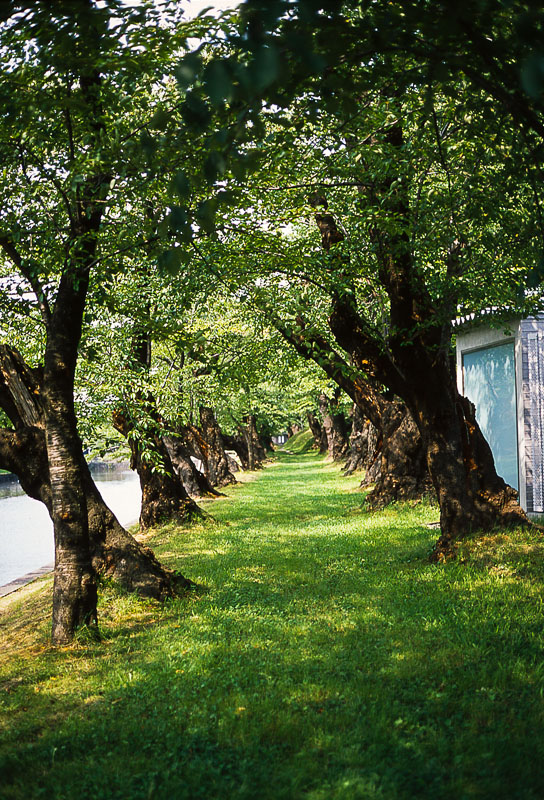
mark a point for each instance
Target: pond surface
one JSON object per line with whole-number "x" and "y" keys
{"x": 26, "y": 530}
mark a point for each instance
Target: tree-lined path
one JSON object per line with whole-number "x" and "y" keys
{"x": 323, "y": 658}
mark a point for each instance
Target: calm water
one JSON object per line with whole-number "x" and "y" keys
{"x": 26, "y": 531}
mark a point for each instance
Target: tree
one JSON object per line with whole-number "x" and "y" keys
{"x": 426, "y": 239}
{"x": 73, "y": 150}
{"x": 164, "y": 497}
{"x": 114, "y": 552}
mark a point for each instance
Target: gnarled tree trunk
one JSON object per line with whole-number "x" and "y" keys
{"x": 217, "y": 463}
{"x": 415, "y": 364}
{"x": 400, "y": 468}
{"x": 335, "y": 430}
{"x": 239, "y": 445}
{"x": 74, "y": 587}
{"x": 195, "y": 482}
{"x": 358, "y": 442}
{"x": 194, "y": 440}
{"x": 470, "y": 494}
{"x": 256, "y": 453}
{"x": 318, "y": 433}
{"x": 114, "y": 552}
{"x": 164, "y": 498}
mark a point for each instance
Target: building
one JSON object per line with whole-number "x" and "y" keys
{"x": 500, "y": 368}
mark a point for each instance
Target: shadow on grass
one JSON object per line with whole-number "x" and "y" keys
{"x": 257, "y": 694}
{"x": 329, "y": 664}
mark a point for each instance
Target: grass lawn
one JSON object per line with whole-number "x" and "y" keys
{"x": 325, "y": 659}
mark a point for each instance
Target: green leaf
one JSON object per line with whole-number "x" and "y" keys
{"x": 532, "y": 75}
{"x": 214, "y": 166}
{"x": 195, "y": 112}
{"x": 160, "y": 120}
{"x": 178, "y": 218}
{"x": 169, "y": 262}
{"x": 148, "y": 144}
{"x": 187, "y": 69}
{"x": 205, "y": 215}
{"x": 218, "y": 83}
{"x": 181, "y": 184}
{"x": 265, "y": 68}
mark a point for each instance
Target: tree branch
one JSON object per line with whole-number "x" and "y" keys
{"x": 13, "y": 254}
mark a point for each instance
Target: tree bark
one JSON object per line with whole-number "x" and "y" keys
{"x": 239, "y": 445}
{"x": 195, "y": 482}
{"x": 399, "y": 471}
{"x": 256, "y": 453}
{"x": 217, "y": 463}
{"x": 74, "y": 587}
{"x": 164, "y": 498}
{"x": 470, "y": 494}
{"x": 334, "y": 427}
{"x": 197, "y": 445}
{"x": 358, "y": 442}
{"x": 320, "y": 437}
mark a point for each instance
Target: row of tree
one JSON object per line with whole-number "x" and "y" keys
{"x": 343, "y": 178}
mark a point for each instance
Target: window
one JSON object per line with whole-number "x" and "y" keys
{"x": 489, "y": 381}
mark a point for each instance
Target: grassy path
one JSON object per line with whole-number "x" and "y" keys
{"x": 326, "y": 660}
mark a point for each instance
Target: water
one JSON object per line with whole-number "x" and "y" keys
{"x": 26, "y": 530}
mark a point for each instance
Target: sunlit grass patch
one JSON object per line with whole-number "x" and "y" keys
{"x": 325, "y": 658}
{"x": 301, "y": 442}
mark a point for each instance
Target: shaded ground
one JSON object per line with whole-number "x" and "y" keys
{"x": 326, "y": 659}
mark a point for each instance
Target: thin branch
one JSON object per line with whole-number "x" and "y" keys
{"x": 41, "y": 166}
{"x": 126, "y": 249}
{"x": 308, "y": 185}
{"x": 68, "y": 119}
{"x": 13, "y": 254}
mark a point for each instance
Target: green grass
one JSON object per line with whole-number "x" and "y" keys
{"x": 301, "y": 442}
{"x": 326, "y": 659}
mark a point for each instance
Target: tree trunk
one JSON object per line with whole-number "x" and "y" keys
{"x": 358, "y": 442}
{"x": 164, "y": 498}
{"x": 415, "y": 364}
{"x": 320, "y": 437}
{"x": 334, "y": 427}
{"x": 256, "y": 453}
{"x": 217, "y": 463}
{"x": 195, "y": 482}
{"x": 373, "y": 463}
{"x": 194, "y": 440}
{"x": 400, "y": 471}
{"x": 117, "y": 555}
{"x": 114, "y": 552}
{"x": 239, "y": 445}
{"x": 470, "y": 494}
{"x": 251, "y": 458}
{"x": 74, "y": 586}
